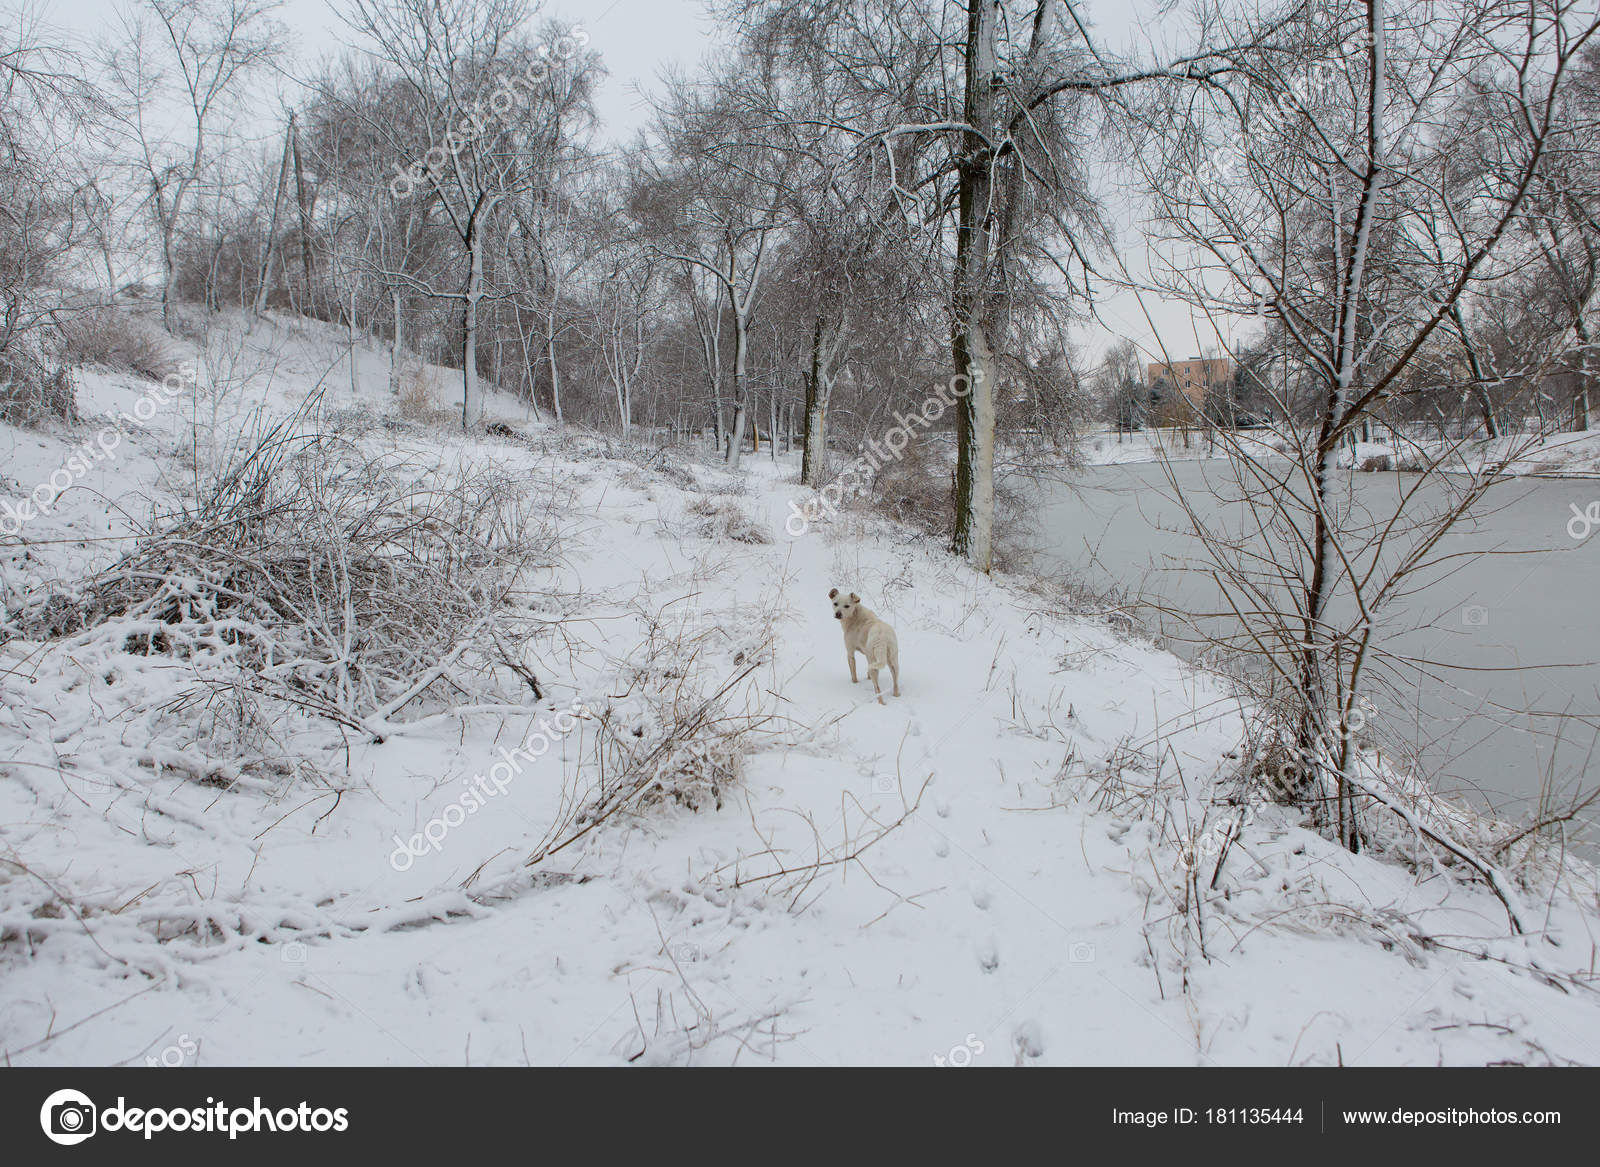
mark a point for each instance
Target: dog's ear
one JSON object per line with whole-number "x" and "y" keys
{"x": 854, "y": 599}
{"x": 833, "y": 595}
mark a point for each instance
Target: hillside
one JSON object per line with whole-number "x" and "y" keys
{"x": 1042, "y": 852}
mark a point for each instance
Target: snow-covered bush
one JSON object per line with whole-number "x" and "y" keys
{"x": 347, "y": 583}
{"x": 688, "y": 705}
{"x": 35, "y": 384}
{"x": 117, "y": 339}
{"x": 723, "y": 517}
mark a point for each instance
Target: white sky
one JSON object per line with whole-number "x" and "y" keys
{"x": 637, "y": 39}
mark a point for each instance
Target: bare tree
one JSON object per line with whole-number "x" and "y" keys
{"x": 554, "y": 244}
{"x": 1119, "y": 383}
{"x": 623, "y": 317}
{"x": 729, "y": 207}
{"x": 200, "y": 53}
{"x": 467, "y": 68}
{"x": 994, "y": 171}
{"x": 50, "y": 205}
{"x": 1320, "y": 202}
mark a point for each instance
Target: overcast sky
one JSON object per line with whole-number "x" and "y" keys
{"x": 638, "y": 39}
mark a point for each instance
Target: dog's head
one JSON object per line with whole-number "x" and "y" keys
{"x": 843, "y": 605}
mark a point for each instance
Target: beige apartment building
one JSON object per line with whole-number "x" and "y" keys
{"x": 1194, "y": 376}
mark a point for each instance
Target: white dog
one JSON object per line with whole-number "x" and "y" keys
{"x": 868, "y": 635}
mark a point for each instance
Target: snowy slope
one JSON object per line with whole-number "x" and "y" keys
{"x": 984, "y": 871}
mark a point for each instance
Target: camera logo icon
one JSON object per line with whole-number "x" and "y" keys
{"x": 1475, "y": 616}
{"x": 68, "y": 1117}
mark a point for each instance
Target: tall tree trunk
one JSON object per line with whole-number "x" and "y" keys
{"x": 970, "y": 341}
{"x": 168, "y": 293}
{"x": 169, "y": 227}
{"x": 1318, "y": 709}
{"x": 819, "y": 388}
{"x": 1580, "y": 396}
{"x": 555, "y": 367}
{"x": 975, "y": 426}
{"x": 303, "y": 199}
{"x": 1480, "y": 392}
{"x": 471, "y": 392}
{"x": 354, "y": 335}
{"x": 265, "y": 282}
{"x": 1491, "y": 424}
{"x": 710, "y": 332}
{"x": 398, "y": 347}
{"x": 741, "y": 345}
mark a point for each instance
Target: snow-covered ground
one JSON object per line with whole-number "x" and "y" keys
{"x": 987, "y": 870}
{"x": 1558, "y": 454}
{"x": 1110, "y": 447}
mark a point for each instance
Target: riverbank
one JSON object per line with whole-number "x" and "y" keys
{"x": 1558, "y": 455}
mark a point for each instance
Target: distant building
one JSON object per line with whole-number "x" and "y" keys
{"x": 1193, "y": 377}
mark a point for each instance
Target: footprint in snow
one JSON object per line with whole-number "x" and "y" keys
{"x": 1028, "y": 1041}
{"x": 982, "y": 897}
{"x": 988, "y": 957}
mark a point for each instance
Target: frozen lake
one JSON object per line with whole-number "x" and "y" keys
{"x": 1494, "y": 627}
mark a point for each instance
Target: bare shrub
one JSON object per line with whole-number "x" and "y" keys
{"x": 1413, "y": 463}
{"x": 349, "y": 584}
{"x": 117, "y": 340}
{"x": 689, "y": 708}
{"x": 724, "y": 518}
{"x": 917, "y": 490}
{"x": 33, "y": 390}
{"x": 674, "y": 472}
{"x": 1400, "y": 815}
{"x": 666, "y": 463}
{"x": 417, "y": 402}
{"x": 1071, "y": 592}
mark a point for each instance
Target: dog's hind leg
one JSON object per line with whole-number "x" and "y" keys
{"x": 872, "y": 671}
{"x": 894, "y": 667}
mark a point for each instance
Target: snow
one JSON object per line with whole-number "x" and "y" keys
{"x": 1108, "y": 447}
{"x": 966, "y": 875}
{"x": 1563, "y": 455}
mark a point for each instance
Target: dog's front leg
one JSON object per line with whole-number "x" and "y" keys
{"x": 850, "y": 655}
